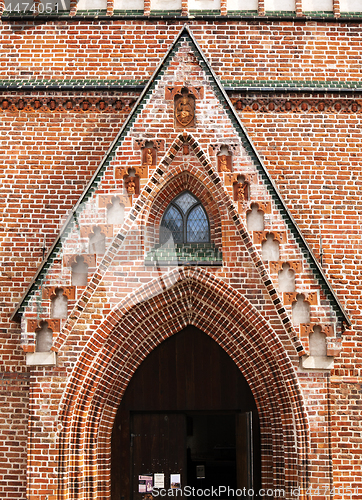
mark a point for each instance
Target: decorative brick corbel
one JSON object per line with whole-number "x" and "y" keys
{"x": 89, "y": 259}
{"x": 141, "y": 143}
{"x": 35, "y": 324}
{"x": 264, "y": 206}
{"x": 87, "y": 230}
{"x": 50, "y": 291}
{"x": 277, "y": 265}
{"x": 106, "y": 199}
{"x": 307, "y": 329}
{"x": 290, "y": 297}
{"x": 260, "y": 236}
{"x": 172, "y": 91}
{"x": 337, "y": 8}
{"x": 232, "y": 177}
{"x": 141, "y": 171}
{"x": 233, "y": 149}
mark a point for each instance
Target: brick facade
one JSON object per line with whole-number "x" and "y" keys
{"x": 295, "y": 88}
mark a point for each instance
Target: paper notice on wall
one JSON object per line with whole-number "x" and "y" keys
{"x": 145, "y": 483}
{"x": 175, "y": 481}
{"x": 159, "y": 480}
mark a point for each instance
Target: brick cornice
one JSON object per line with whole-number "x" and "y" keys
{"x": 243, "y": 86}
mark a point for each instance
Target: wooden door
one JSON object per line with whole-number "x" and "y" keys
{"x": 244, "y": 450}
{"x": 187, "y": 375}
{"x": 158, "y": 445}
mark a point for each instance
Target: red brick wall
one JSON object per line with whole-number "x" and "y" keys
{"x": 132, "y": 49}
{"x": 46, "y": 161}
{"x": 314, "y": 159}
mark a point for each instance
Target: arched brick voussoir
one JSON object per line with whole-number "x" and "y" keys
{"x": 235, "y": 341}
{"x": 190, "y": 283}
{"x": 187, "y": 296}
{"x": 267, "y": 399}
{"x": 135, "y": 332}
{"x": 194, "y": 181}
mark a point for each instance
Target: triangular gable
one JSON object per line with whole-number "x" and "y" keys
{"x": 249, "y": 148}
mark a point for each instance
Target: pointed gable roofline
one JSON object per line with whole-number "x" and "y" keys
{"x": 250, "y": 148}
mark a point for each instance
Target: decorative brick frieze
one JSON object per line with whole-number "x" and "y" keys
{"x": 67, "y": 104}
{"x": 297, "y": 105}
{"x": 106, "y": 104}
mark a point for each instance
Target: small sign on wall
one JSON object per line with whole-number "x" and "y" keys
{"x": 175, "y": 481}
{"x": 159, "y": 480}
{"x": 200, "y": 471}
{"x": 145, "y": 483}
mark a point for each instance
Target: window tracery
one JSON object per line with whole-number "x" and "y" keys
{"x": 185, "y": 219}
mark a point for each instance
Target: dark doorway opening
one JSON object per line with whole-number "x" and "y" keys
{"x": 188, "y": 417}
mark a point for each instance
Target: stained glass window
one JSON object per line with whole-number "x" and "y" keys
{"x": 185, "y": 220}
{"x": 197, "y": 226}
{"x": 172, "y": 225}
{"x": 185, "y": 201}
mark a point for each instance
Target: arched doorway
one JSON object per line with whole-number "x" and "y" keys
{"x": 128, "y": 336}
{"x": 187, "y": 416}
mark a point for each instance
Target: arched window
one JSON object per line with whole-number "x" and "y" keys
{"x": 185, "y": 220}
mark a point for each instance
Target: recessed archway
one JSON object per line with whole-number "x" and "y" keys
{"x": 132, "y": 331}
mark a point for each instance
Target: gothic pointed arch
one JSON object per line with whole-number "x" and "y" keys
{"x": 140, "y": 323}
